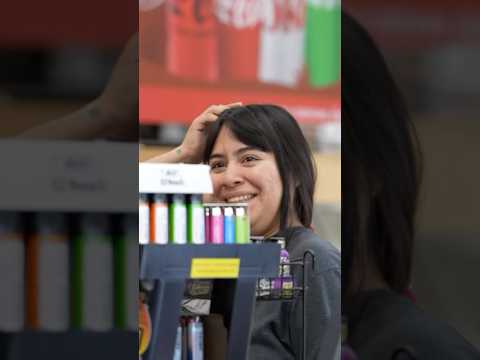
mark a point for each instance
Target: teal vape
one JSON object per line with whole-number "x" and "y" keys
{"x": 228, "y": 226}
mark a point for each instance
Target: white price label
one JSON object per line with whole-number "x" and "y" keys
{"x": 79, "y": 176}
{"x": 174, "y": 179}
{"x": 77, "y": 173}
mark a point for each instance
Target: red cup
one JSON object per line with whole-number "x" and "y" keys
{"x": 239, "y": 31}
{"x": 192, "y": 45}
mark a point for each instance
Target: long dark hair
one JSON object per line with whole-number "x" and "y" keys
{"x": 271, "y": 128}
{"x": 380, "y": 168}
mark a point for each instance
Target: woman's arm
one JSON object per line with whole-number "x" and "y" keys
{"x": 177, "y": 155}
{"x": 113, "y": 115}
{"x": 92, "y": 121}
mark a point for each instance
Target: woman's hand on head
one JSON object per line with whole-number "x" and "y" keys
{"x": 193, "y": 144}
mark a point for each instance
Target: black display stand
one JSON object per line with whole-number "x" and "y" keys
{"x": 171, "y": 266}
{"x": 71, "y": 345}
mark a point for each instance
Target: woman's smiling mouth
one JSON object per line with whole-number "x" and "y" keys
{"x": 240, "y": 198}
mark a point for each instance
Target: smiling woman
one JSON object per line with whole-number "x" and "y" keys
{"x": 258, "y": 154}
{"x": 247, "y": 174}
{"x": 275, "y": 156}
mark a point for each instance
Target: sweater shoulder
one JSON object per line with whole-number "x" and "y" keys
{"x": 391, "y": 322}
{"x": 300, "y": 240}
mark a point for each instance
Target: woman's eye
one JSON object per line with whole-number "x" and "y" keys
{"x": 216, "y": 166}
{"x": 249, "y": 158}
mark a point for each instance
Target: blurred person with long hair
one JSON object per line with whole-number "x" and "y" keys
{"x": 381, "y": 177}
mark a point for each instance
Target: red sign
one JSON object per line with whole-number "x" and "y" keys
{"x": 194, "y": 53}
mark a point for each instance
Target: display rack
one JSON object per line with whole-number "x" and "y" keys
{"x": 172, "y": 265}
{"x": 69, "y": 178}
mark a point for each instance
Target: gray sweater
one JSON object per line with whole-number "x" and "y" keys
{"x": 277, "y": 329}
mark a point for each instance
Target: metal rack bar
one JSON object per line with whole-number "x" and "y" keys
{"x": 167, "y": 298}
{"x": 307, "y": 254}
{"x": 242, "y": 317}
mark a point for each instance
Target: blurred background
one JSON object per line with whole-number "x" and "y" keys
{"x": 433, "y": 50}
{"x": 55, "y": 56}
{"x": 193, "y": 54}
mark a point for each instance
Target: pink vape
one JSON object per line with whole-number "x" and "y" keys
{"x": 216, "y": 226}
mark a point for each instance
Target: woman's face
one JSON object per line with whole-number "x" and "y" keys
{"x": 244, "y": 174}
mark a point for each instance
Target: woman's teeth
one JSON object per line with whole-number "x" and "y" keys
{"x": 241, "y": 198}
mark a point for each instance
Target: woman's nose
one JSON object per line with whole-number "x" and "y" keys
{"x": 232, "y": 176}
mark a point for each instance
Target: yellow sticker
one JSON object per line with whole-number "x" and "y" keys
{"x": 215, "y": 268}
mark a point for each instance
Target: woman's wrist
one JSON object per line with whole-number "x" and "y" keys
{"x": 185, "y": 155}
{"x": 118, "y": 122}
{"x": 106, "y": 110}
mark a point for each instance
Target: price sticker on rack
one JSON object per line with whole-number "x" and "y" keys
{"x": 215, "y": 268}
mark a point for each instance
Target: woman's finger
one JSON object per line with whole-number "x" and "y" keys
{"x": 212, "y": 112}
{"x": 210, "y": 118}
{"x": 217, "y": 109}
{"x": 238, "y": 103}
{"x": 206, "y": 120}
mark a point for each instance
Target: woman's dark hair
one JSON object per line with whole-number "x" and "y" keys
{"x": 270, "y": 128}
{"x": 380, "y": 168}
